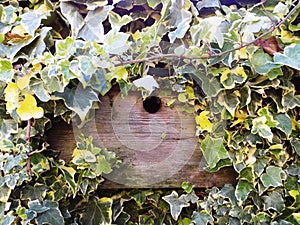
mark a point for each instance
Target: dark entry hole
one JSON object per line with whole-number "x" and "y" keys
{"x": 152, "y": 104}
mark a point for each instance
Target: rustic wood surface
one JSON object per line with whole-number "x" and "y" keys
{"x": 158, "y": 150}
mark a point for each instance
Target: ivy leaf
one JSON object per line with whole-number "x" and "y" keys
{"x": 272, "y": 177}
{"x": 290, "y": 100}
{"x": 296, "y": 145}
{"x": 28, "y": 109}
{"x": 31, "y": 21}
{"x": 11, "y": 97}
{"x": 284, "y": 123}
{"x": 116, "y": 42}
{"x": 203, "y": 121}
{"x": 230, "y": 101}
{"x": 147, "y": 82}
{"x": 52, "y": 215}
{"x": 79, "y": 100}
{"x": 211, "y": 87}
{"x": 69, "y": 174}
{"x": 213, "y": 150}
{"x": 270, "y": 121}
{"x": 262, "y": 63}
{"x": 243, "y": 189}
{"x": 176, "y": 203}
{"x": 202, "y": 218}
{"x": 207, "y": 30}
{"x": 260, "y": 127}
{"x": 117, "y": 21}
{"x": 6, "y": 70}
{"x": 73, "y": 16}
{"x": 4, "y": 193}
{"x": 273, "y": 201}
{"x": 93, "y": 29}
{"x": 289, "y": 57}
{"x": 180, "y": 19}
{"x": 98, "y": 212}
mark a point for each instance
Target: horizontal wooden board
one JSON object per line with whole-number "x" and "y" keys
{"x": 158, "y": 150}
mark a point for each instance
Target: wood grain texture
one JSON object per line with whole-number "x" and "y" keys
{"x": 158, "y": 150}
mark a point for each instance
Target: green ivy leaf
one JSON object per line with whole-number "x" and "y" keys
{"x": 296, "y": 145}
{"x": 117, "y": 21}
{"x": 273, "y": 201}
{"x": 176, "y": 203}
{"x": 263, "y": 64}
{"x": 284, "y": 123}
{"x": 6, "y": 70}
{"x": 69, "y": 174}
{"x": 247, "y": 174}
{"x": 272, "y": 177}
{"x": 289, "y": 57}
{"x": 201, "y": 218}
{"x": 290, "y": 100}
{"x": 52, "y": 215}
{"x": 79, "y": 99}
{"x": 213, "y": 150}
{"x": 243, "y": 189}
{"x": 260, "y": 127}
{"x": 230, "y": 101}
{"x": 98, "y": 212}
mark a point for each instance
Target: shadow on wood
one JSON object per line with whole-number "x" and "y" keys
{"x": 158, "y": 149}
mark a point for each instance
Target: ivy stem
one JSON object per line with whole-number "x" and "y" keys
{"x": 157, "y": 58}
{"x": 28, "y": 142}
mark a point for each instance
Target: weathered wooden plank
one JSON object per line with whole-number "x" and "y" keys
{"x": 157, "y": 149}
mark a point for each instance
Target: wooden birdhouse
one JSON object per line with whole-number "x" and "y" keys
{"x": 154, "y": 137}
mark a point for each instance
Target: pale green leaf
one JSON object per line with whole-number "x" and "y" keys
{"x": 73, "y": 16}
{"x": 296, "y": 145}
{"x": 6, "y": 70}
{"x": 230, "y": 101}
{"x": 52, "y": 215}
{"x": 93, "y": 29}
{"x": 273, "y": 201}
{"x": 176, "y": 204}
{"x": 4, "y": 193}
{"x": 37, "y": 86}
{"x": 284, "y": 123}
{"x": 213, "y": 150}
{"x": 31, "y": 21}
{"x": 98, "y": 212}
{"x": 260, "y": 127}
{"x": 69, "y": 174}
{"x": 272, "y": 177}
{"x": 116, "y": 42}
{"x": 243, "y": 189}
{"x": 79, "y": 100}
{"x": 290, "y": 100}
{"x": 201, "y": 218}
{"x": 117, "y": 21}
{"x": 262, "y": 63}
{"x": 290, "y": 57}
{"x": 147, "y": 82}
{"x": 207, "y": 30}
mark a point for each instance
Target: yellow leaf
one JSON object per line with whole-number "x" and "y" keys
{"x": 23, "y": 81}
{"x": 28, "y": 109}
{"x": 137, "y": 35}
{"x": 203, "y": 121}
{"x": 182, "y": 97}
{"x": 11, "y": 97}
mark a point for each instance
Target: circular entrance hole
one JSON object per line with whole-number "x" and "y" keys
{"x": 152, "y": 104}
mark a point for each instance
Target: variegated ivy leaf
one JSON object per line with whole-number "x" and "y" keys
{"x": 270, "y": 121}
{"x": 260, "y": 127}
{"x": 208, "y": 30}
{"x": 176, "y": 203}
{"x": 230, "y": 101}
{"x": 231, "y": 77}
{"x": 116, "y": 42}
{"x": 213, "y": 151}
{"x": 202, "y": 218}
{"x": 290, "y": 100}
{"x": 273, "y": 201}
{"x": 31, "y": 21}
{"x": 11, "y": 97}
{"x": 290, "y": 57}
{"x": 272, "y": 177}
{"x": 243, "y": 189}
{"x": 203, "y": 121}
{"x": 284, "y": 123}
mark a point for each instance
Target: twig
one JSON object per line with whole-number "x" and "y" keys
{"x": 213, "y": 55}
{"x": 28, "y": 142}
